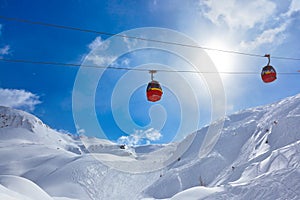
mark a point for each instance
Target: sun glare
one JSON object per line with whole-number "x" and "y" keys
{"x": 222, "y": 60}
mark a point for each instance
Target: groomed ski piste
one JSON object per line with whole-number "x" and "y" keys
{"x": 256, "y": 157}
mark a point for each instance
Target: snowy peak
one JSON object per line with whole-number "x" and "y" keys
{"x": 13, "y": 118}
{"x": 18, "y": 128}
{"x": 255, "y": 157}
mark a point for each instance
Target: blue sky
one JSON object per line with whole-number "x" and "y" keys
{"x": 255, "y": 27}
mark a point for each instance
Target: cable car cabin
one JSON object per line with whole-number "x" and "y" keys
{"x": 154, "y": 91}
{"x": 268, "y": 74}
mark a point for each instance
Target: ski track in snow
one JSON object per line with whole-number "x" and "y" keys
{"x": 256, "y": 157}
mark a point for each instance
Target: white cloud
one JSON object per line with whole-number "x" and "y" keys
{"x": 275, "y": 36}
{"x": 125, "y": 62}
{"x": 99, "y": 57}
{"x": 266, "y": 18}
{"x": 238, "y": 14}
{"x": 294, "y": 7}
{"x": 99, "y": 45}
{"x": 130, "y": 42}
{"x": 140, "y": 137}
{"x": 80, "y": 131}
{"x": 4, "y": 50}
{"x": 20, "y": 99}
{"x": 101, "y": 60}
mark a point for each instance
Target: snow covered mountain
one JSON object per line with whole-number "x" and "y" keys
{"x": 256, "y": 157}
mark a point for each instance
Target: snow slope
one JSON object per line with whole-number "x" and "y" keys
{"x": 256, "y": 157}
{"x": 23, "y": 187}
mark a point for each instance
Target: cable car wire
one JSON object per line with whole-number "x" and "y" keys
{"x": 138, "y": 38}
{"x": 132, "y": 69}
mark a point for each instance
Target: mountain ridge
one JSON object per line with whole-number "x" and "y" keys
{"x": 258, "y": 147}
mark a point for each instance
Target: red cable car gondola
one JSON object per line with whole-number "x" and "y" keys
{"x": 268, "y": 73}
{"x": 154, "y": 91}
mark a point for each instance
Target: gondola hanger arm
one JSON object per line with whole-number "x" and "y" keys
{"x": 269, "y": 59}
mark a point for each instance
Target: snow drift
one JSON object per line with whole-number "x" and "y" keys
{"x": 256, "y": 157}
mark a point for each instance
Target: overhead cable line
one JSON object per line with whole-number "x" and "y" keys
{"x": 131, "y": 69}
{"x": 138, "y": 38}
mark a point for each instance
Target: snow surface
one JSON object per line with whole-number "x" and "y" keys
{"x": 256, "y": 157}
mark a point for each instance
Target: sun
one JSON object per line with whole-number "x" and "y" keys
{"x": 223, "y": 61}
